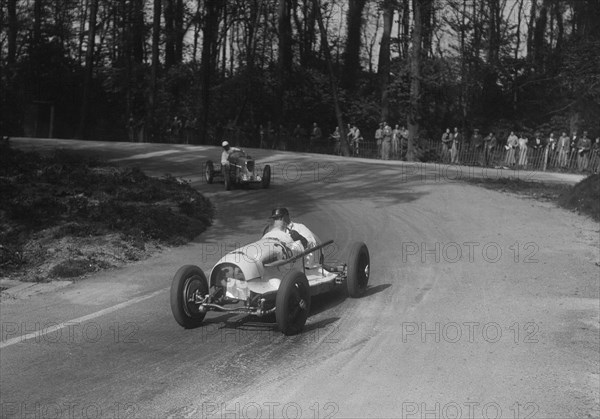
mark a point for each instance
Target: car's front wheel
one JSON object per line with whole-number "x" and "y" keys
{"x": 209, "y": 172}
{"x": 266, "y": 176}
{"x": 292, "y": 304}
{"x": 188, "y": 282}
{"x": 359, "y": 267}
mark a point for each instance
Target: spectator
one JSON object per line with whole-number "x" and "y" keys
{"x": 489, "y": 143}
{"x": 298, "y": 135}
{"x": 335, "y": 137}
{"x": 573, "y": 147}
{"x": 512, "y": 143}
{"x": 403, "y": 142}
{"x": 356, "y": 139}
{"x": 563, "y": 150}
{"x": 476, "y": 142}
{"x": 538, "y": 150}
{"x": 523, "y": 151}
{"x": 131, "y": 128}
{"x": 386, "y": 141}
{"x": 446, "y": 140}
{"x": 281, "y": 139}
{"x": 176, "y": 129}
{"x": 315, "y": 136}
{"x": 379, "y": 138}
{"x": 456, "y": 141}
{"x": 550, "y": 152}
{"x": 261, "y": 133}
{"x": 396, "y": 142}
{"x": 595, "y": 163}
{"x": 188, "y": 128}
{"x": 584, "y": 146}
{"x": 141, "y": 130}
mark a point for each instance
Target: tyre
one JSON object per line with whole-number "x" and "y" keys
{"x": 358, "y": 270}
{"x": 188, "y": 280}
{"x": 209, "y": 172}
{"x": 292, "y": 303}
{"x": 266, "y": 176}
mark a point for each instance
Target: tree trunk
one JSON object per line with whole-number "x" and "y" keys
{"x": 415, "y": 79}
{"x": 338, "y": 111}
{"x": 138, "y": 32}
{"x": 37, "y": 21}
{"x": 83, "y": 19}
{"x": 209, "y": 42}
{"x": 178, "y": 31}
{"x": 404, "y": 28}
{"x": 89, "y": 69}
{"x": 155, "y": 65}
{"x": 169, "y": 11}
{"x": 427, "y": 23}
{"x": 352, "y": 52}
{"x": 285, "y": 55}
{"x": 383, "y": 67}
{"x": 531, "y": 28}
{"x": 12, "y": 31}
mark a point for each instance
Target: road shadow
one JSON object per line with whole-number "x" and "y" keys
{"x": 376, "y": 289}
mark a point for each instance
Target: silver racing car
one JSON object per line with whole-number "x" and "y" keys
{"x": 266, "y": 277}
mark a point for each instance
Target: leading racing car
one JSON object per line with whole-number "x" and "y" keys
{"x": 242, "y": 170}
{"x": 265, "y": 277}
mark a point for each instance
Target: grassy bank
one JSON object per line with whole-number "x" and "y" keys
{"x": 64, "y": 215}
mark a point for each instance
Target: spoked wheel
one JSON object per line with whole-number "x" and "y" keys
{"x": 292, "y": 303}
{"x": 209, "y": 172}
{"x": 266, "y": 177}
{"x": 188, "y": 282}
{"x": 359, "y": 266}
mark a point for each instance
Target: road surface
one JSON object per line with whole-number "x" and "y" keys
{"x": 480, "y": 304}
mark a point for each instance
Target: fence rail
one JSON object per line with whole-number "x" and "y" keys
{"x": 544, "y": 158}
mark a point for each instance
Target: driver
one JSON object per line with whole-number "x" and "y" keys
{"x": 284, "y": 229}
{"x": 227, "y": 150}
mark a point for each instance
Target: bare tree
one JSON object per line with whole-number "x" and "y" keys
{"x": 383, "y": 67}
{"x": 89, "y": 71}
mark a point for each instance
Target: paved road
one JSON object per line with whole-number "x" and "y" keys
{"x": 480, "y": 304}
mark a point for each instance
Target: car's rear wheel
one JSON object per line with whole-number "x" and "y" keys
{"x": 187, "y": 282}
{"x": 209, "y": 172}
{"x": 292, "y": 304}
{"x": 266, "y": 176}
{"x": 359, "y": 266}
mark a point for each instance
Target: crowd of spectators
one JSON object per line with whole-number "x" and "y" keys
{"x": 516, "y": 151}
{"x": 519, "y": 152}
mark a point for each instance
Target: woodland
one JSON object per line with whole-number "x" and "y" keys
{"x": 94, "y": 69}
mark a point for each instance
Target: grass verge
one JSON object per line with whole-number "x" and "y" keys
{"x": 583, "y": 198}
{"x": 64, "y": 215}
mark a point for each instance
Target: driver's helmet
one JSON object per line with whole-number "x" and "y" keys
{"x": 279, "y": 213}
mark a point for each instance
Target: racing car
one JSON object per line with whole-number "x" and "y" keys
{"x": 242, "y": 170}
{"x": 267, "y": 277}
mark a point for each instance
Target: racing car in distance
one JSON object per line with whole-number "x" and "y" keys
{"x": 266, "y": 277}
{"x": 242, "y": 170}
